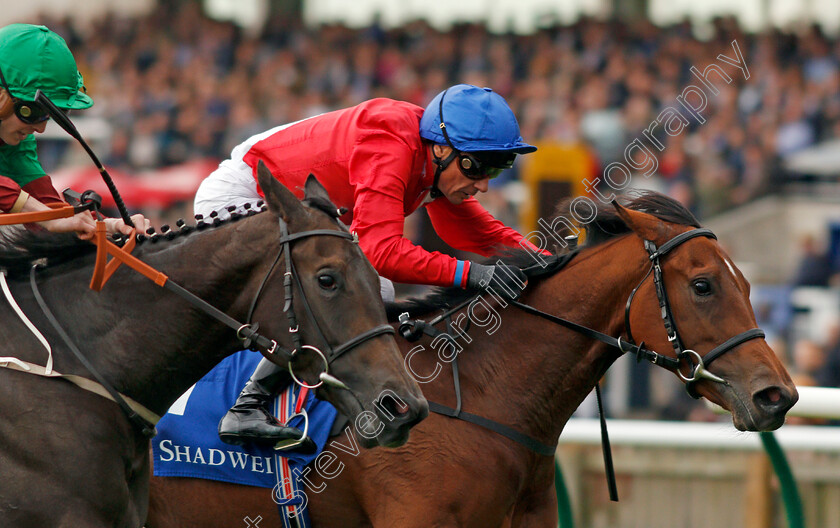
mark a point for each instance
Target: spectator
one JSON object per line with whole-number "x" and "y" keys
{"x": 815, "y": 268}
{"x": 829, "y": 374}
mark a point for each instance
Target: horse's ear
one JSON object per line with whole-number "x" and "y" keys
{"x": 313, "y": 189}
{"x": 280, "y": 200}
{"x": 645, "y": 225}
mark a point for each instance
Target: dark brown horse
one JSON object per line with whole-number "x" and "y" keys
{"x": 71, "y": 458}
{"x": 530, "y": 374}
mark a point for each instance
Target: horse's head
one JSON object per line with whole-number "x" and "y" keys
{"x": 340, "y": 318}
{"x": 713, "y": 320}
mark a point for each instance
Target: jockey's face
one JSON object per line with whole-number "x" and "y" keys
{"x": 13, "y": 130}
{"x": 454, "y": 185}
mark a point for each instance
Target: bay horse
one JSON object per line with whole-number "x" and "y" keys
{"x": 529, "y": 374}
{"x": 71, "y": 458}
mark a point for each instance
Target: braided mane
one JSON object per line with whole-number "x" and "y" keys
{"x": 21, "y": 247}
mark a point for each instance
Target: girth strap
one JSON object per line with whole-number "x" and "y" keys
{"x": 81, "y": 382}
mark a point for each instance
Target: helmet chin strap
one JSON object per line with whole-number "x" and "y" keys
{"x": 440, "y": 166}
{"x": 439, "y": 163}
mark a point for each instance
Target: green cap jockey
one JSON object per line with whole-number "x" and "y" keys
{"x": 33, "y": 58}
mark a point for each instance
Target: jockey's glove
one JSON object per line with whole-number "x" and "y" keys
{"x": 503, "y": 280}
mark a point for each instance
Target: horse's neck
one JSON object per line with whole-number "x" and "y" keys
{"x": 148, "y": 341}
{"x": 531, "y": 373}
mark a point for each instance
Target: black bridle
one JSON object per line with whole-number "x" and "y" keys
{"x": 698, "y": 364}
{"x": 332, "y": 353}
{"x": 247, "y": 332}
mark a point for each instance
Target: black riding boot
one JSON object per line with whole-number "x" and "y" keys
{"x": 249, "y": 420}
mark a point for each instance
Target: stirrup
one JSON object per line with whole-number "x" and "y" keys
{"x": 291, "y": 443}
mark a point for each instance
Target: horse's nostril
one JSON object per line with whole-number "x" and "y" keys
{"x": 394, "y": 406}
{"x": 772, "y": 400}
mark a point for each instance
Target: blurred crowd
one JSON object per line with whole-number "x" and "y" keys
{"x": 176, "y": 85}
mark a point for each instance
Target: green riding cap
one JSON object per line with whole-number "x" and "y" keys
{"x": 33, "y": 58}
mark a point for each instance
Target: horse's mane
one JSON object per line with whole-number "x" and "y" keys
{"x": 605, "y": 226}
{"x": 20, "y": 247}
{"x": 440, "y": 298}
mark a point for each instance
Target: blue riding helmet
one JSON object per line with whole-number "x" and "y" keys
{"x": 476, "y": 119}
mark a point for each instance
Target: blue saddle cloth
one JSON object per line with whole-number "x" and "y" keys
{"x": 188, "y": 445}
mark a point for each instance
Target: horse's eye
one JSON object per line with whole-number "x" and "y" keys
{"x": 702, "y": 287}
{"x": 326, "y": 281}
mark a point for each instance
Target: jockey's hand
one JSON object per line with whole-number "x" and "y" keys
{"x": 118, "y": 225}
{"x": 81, "y": 223}
{"x": 504, "y": 280}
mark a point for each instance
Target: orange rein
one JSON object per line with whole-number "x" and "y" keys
{"x": 57, "y": 211}
{"x": 103, "y": 268}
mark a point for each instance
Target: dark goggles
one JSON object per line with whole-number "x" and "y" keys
{"x": 477, "y": 166}
{"x": 28, "y": 112}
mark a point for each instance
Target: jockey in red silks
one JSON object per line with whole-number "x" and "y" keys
{"x": 382, "y": 160}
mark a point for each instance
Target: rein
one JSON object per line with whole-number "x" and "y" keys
{"x": 412, "y": 330}
{"x": 87, "y": 201}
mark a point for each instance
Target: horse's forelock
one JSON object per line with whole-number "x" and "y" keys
{"x": 322, "y": 204}
{"x": 607, "y": 224}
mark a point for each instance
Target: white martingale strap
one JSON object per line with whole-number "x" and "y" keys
{"x": 81, "y": 382}
{"x": 8, "y": 293}
{"x": 47, "y": 371}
